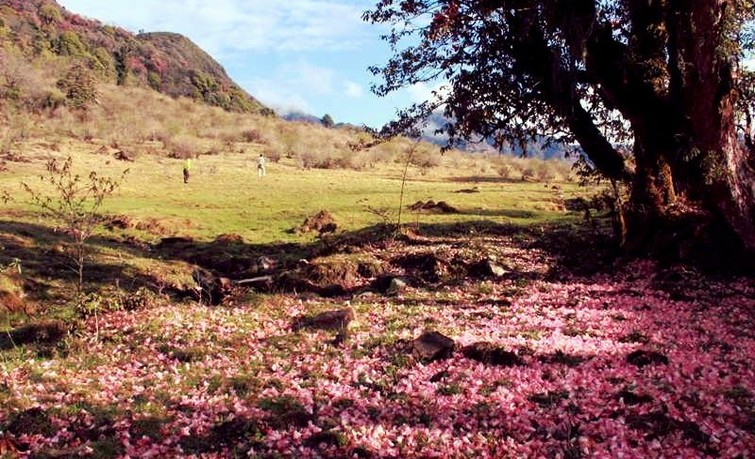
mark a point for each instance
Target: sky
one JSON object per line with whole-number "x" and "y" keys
{"x": 310, "y": 56}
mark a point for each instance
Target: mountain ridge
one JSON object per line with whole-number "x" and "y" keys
{"x": 167, "y": 62}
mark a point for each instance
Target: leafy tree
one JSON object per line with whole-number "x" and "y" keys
{"x": 661, "y": 76}
{"x": 79, "y": 85}
{"x": 327, "y": 121}
{"x": 49, "y": 14}
{"x": 69, "y": 44}
{"x": 75, "y": 204}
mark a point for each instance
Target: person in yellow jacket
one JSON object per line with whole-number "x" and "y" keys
{"x": 187, "y": 168}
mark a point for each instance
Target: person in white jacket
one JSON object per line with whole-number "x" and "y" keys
{"x": 261, "y": 166}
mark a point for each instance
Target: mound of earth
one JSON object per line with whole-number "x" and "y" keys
{"x": 322, "y": 222}
{"x": 441, "y": 207}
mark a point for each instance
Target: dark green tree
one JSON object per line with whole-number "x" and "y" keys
{"x": 327, "y": 121}
{"x": 661, "y": 77}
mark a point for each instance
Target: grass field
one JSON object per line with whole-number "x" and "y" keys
{"x": 225, "y": 195}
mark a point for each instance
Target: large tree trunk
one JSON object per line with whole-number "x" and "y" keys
{"x": 716, "y": 167}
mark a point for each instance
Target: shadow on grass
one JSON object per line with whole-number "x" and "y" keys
{"x": 484, "y": 179}
{"x": 46, "y": 265}
{"x": 508, "y": 213}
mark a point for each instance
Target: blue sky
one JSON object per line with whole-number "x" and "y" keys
{"x": 293, "y": 55}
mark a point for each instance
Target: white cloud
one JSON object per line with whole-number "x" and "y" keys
{"x": 309, "y": 78}
{"x": 291, "y": 85}
{"x": 276, "y": 96}
{"x": 352, "y": 89}
{"x": 228, "y": 25}
{"x": 420, "y": 92}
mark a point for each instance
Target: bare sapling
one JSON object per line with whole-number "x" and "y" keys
{"x": 74, "y": 204}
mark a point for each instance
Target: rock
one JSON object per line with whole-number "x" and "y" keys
{"x": 641, "y": 358}
{"x": 337, "y": 319}
{"x": 495, "y": 269}
{"x": 486, "y": 268}
{"x": 489, "y": 354}
{"x": 431, "y": 346}
{"x": 122, "y": 155}
{"x": 396, "y": 286}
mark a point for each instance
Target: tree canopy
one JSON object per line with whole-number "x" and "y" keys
{"x": 654, "y": 92}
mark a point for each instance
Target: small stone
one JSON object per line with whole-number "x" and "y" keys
{"x": 396, "y": 286}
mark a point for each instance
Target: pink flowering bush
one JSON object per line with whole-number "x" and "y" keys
{"x": 609, "y": 366}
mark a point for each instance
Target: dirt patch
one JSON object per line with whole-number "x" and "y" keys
{"x": 322, "y": 222}
{"x": 150, "y": 225}
{"x": 119, "y": 222}
{"x": 229, "y": 239}
{"x": 440, "y": 207}
{"x": 12, "y": 298}
{"x": 12, "y": 302}
{"x": 468, "y": 190}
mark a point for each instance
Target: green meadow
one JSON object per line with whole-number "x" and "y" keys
{"x": 225, "y": 195}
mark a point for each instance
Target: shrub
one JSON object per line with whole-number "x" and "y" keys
{"x": 69, "y": 44}
{"x": 49, "y": 14}
{"x": 181, "y": 148}
{"x": 253, "y": 136}
{"x": 79, "y": 86}
{"x": 273, "y": 154}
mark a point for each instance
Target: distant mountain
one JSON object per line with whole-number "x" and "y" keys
{"x": 312, "y": 119}
{"x": 167, "y": 62}
{"x": 301, "y": 117}
{"x": 540, "y": 148}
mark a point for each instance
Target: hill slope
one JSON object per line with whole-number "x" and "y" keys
{"x": 167, "y": 62}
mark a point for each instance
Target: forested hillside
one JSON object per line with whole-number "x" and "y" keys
{"x": 40, "y": 41}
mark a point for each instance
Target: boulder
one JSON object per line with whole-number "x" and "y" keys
{"x": 431, "y": 346}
